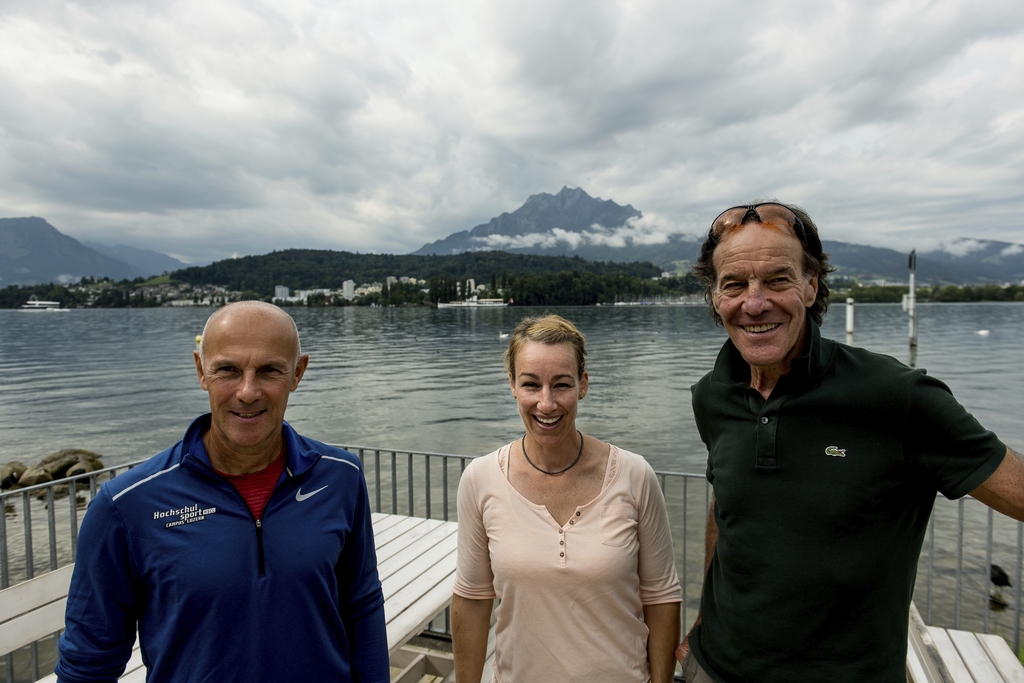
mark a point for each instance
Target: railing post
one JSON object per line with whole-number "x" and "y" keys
{"x": 51, "y": 520}
{"x": 444, "y": 486}
{"x": 394, "y": 483}
{"x": 26, "y": 507}
{"x": 73, "y": 517}
{"x": 5, "y": 573}
{"x": 931, "y": 565}
{"x": 376, "y": 467}
{"x": 409, "y": 483}
{"x": 959, "y": 561}
{"x": 686, "y": 527}
{"x": 426, "y": 468}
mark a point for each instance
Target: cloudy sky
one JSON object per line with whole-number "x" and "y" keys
{"x": 206, "y": 128}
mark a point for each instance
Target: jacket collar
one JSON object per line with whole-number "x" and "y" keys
{"x": 298, "y": 452}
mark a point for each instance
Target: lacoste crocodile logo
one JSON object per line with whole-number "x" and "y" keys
{"x": 835, "y": 451}
{"x": 300, "y": 496}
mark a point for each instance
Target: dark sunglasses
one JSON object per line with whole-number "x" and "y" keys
{"x": 768, "y": 213}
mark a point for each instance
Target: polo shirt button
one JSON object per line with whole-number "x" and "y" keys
{"x": 764, "y": 420}
{"x": 561, "y": 554}
{"x": 577, "y": 513}
{"x": 561, "y": 543}
{"x": 572, "y": 521}
{"x": 560, "y": 531}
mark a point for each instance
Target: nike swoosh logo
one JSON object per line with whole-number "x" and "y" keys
{"x": 300, "y": 496}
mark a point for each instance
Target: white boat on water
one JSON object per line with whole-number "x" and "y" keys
{"x": 474, "y": 302}
{"x": 36, "y": 305}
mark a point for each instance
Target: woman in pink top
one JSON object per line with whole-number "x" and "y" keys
{"x": 570, "y": 534}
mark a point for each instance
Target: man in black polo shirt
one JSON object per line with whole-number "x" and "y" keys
{"x": 825, "y": 461}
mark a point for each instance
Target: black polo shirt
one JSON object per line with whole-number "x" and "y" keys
{"x": 823, "y": 494}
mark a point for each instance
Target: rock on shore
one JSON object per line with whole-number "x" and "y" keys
{"x": 67, "y": 462}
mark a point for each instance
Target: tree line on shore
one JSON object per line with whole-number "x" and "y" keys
{"x": 566, "y": 288}
{"x": 884, "y": 294}
{"x": 525, "y": 279}
{"x": 309, "y": 268}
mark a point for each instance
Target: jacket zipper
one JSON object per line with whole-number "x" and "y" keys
{"x": 259, "y": 546}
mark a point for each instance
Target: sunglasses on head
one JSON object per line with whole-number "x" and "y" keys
{"x": 768, "y": 213}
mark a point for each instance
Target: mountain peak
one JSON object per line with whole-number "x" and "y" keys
{"x": 33, "y": 251}
{"x": 564, "y": 197}
{"x": 545, "y": 219}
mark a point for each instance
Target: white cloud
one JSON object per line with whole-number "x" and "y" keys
{"x": 246, "y": 125}
{"x": 1012, "y": 250}
{"x": 962, "y": 247}
{"x": 641, "y": 230}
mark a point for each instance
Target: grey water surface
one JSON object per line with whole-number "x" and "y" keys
{"x": 122, "y": 381}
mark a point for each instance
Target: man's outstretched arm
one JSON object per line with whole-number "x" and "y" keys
{"x": 1003, "y": 491}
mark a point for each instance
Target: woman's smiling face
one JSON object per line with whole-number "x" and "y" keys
{"x": 547, "y": 390}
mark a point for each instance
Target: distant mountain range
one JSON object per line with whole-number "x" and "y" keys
{"x": 34, "y": 252}
{"x": 572, "y": 223}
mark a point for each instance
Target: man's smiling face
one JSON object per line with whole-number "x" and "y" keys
{"x": 250, "y": 364}
{"x": 762, "y": 295}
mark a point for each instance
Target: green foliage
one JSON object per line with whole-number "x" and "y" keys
{"x": 874, "y": 294}
{"x": 949, "y": 293}
{"x": 978, "y": 293}
{"x": 307, "y": 268}
{"x": 586, "y": 289}
{"x": 123, "y": 297}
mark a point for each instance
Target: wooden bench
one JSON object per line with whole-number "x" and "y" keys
{"x": 415, "y": 560}
{"x": 939, "y": 655}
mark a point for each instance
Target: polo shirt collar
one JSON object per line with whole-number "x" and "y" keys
{"x": 730, "y": 368}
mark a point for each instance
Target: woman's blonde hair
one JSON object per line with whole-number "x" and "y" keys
{"x": 546, "y": 329}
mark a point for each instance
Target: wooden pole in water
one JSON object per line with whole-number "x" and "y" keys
{"x": 849, "y": 320}
{"x": 912, "y": 308}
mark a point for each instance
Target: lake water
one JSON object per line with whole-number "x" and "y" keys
{"x": 122, "y": 382}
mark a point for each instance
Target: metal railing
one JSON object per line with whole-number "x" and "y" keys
{"x": 963, "y": 539}
{"x": 39, "y": 533}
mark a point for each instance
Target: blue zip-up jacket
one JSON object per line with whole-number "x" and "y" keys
{"x": 171, "y": 548}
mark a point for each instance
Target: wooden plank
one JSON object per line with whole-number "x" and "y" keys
{"x": 408, "y": 622}
{"x": 412, "y": 673}
{"x": 30, "y": 627}
{"x": 1001, "y": 654}
{"x": 436, "y": 663}
{"x": 441, "y": 573}
{"x": 402, "y": 550}
{"x": 975, "y": 658}
{"x": 924, "y": 662}
{"x": 28, "y": 595}
{"x": 397, "y": 534}
{"x": 437, "y": 554}
{"x": 414, "y": 554}
{"x": 409, "y": 536}
{"x": 950, "y": 655}
{"x": 382, "y": 521}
